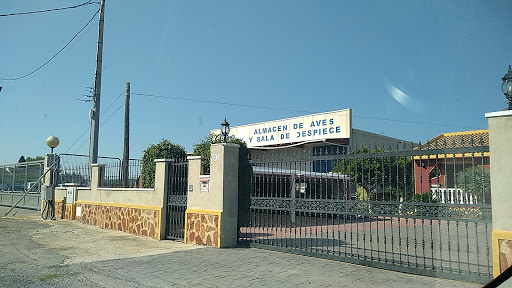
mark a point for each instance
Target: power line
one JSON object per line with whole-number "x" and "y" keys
{"x": 62, "y": 49}
{"x": 103, "y": 113}
{"x": 291, "y": 110}
{"x": 220, "y": 103}
{"x": 121, "y": 106}
{"x": 49, "y": 10}
{"x": 80, "y": 137}
{"x": 88, "y": 128}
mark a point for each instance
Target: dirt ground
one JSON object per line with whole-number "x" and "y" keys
{"x": 85, "y": 243}
{"x": 63, "y": 253}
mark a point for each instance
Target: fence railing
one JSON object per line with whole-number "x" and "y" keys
{"x": 112, "y": 176}
{"x": 74, "y": 169}
{"x": 21, "y": 176}
{"x": 376, "y": 207}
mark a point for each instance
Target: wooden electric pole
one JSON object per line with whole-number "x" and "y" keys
{"x": 126, "y": 149}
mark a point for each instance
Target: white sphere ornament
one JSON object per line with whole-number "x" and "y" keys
{"x": 52, "y": 142}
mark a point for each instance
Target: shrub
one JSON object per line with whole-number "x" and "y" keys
{"x": 475, "y": 181}
{"x": 163, "y": 150}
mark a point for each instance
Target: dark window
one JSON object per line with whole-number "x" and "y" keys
{"x": 325, "y": 166}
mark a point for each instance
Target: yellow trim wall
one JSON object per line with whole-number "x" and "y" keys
{"x": 120, "y": 205}
{"x": 465, "y": 132}
{"x": 451, "y": 156}
{"x": 72, "y": 211}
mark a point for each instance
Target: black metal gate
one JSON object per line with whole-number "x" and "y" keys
{"x": 424, "y": 210}
{"x": 177, "y": 199}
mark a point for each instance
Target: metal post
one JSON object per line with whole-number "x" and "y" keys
{"x": 95, "y": 112}
{"x": 126, "y": 150}
{"x": 3, "y": 179}
{"x": 293, "y": 196}
{"x": 13, "y": 178}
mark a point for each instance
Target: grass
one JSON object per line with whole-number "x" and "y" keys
{"x": 48, "y": 277}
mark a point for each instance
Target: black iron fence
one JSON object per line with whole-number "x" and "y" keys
{"x": 74, "y": 168}
{"x": 177, "y": 198}
{"x": 113, "y": 177}
{"x": 424, "y": 210}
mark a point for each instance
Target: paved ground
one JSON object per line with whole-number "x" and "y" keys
{"x": 37, "y": 253}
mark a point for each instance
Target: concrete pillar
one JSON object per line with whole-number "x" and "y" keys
{"x": 212, "y": 204}
{"x": 500, "y": 142}
{"x": 49, "y": 160}
{"x": 97, "y": 173}
{"x": 162, "y": 186}
{"x": 48, "y": 180}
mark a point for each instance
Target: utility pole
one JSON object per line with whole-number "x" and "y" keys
{"x": 126, "y": 149}
{"x": 95, "y": 112}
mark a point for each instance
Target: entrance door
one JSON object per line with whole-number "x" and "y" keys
{"x": 177, "y": 199}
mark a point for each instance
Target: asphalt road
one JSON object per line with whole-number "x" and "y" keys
{"x": 37, "y": 253}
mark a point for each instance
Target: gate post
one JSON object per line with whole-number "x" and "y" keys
{"x": 500, "y": 139}
{"x": 162, "y": 171}
{"x": 212, "y": 207}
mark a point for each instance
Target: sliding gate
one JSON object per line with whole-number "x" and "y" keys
{"x": 424, "y": 211}
{"x": 177, "y": 199}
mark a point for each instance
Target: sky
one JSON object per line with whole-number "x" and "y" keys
{"x": 407, "y": 69}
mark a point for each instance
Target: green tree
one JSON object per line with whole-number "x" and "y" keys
{"x": 392, "y": 176}
{"x": 37, "y": 158}
{"x": 475, "y": 181}
{"x": 203, "y": 149}
{"x": 163, "y": 150}
{"x": 22, "y": 159}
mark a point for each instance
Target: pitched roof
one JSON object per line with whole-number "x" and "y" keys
{"x": 458, "y": 139}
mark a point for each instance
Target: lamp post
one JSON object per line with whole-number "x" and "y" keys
{"x": 506, "y": 87}
{"x": 224, "y": 130}
{"x": 52, "y": 142}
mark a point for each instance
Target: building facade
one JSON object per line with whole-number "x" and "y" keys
{"x": 327, "y": 133}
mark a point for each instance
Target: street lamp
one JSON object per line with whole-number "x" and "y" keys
{"x": 52, "y": 142}
{"x": 506, "y": 87}
{"x": 224, "y": 130}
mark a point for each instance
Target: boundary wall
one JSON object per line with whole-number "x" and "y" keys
{"x": 134, "y": 210}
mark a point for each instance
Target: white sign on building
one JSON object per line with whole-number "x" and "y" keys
{"x": 315, "y": 127}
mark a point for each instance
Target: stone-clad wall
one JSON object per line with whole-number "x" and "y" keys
{"x": 69, "y": 212}
{"x": 59, "y": 209}
{"x": 138, "y": 221}
{"x": 505, "y": 247}
{"x": 64, "y": 211}
{"x": 202, "y": 229}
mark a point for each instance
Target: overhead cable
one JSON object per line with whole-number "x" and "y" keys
{"x": 49, "y": 10}
{"x": 291, "y": 110}
{"x": 53, "y": 57}
{"x": 218, "y": 102}
{"x": 88, "y": 129}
